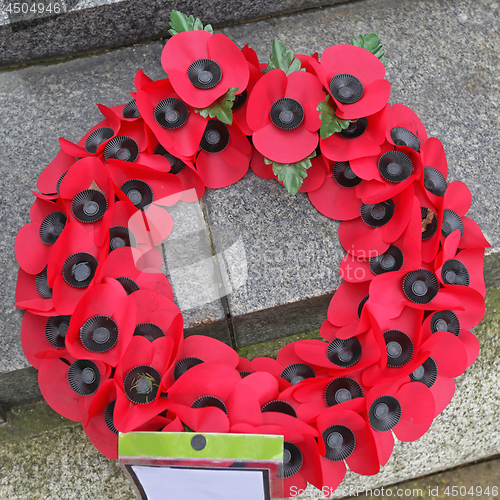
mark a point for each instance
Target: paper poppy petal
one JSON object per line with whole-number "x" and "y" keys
{"x": 442, "y": 391}
{"x": 384, "y": 442}
{"x": 471, "y": 344}
{"x": 458, "y": 198}
{"x": 129, "y": 416}
{"x": 218, "y": 170}
{"x": 32, "y": 254}
{"x": 333, "y": 473}
{"x": 473, "y": 236}
{"x": 267, "y": 91}
{"x": 400, "y": 115}
{"x": 334, "y": 201}
{"x": 448, "y": 352}
{"x": 375, "y": 97}
{"x": 285, "y": 146}
{"x": 260, "y": 167}
{"x": 417, "y": 411}
{"x": 209, "y": 419}
{"x": 361, "y": 240}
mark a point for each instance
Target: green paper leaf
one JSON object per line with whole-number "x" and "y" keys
{"x": 280, "y": 58}
{"x": 330, "y": 122}
{"x": 222, "y": 108}
{"x": 370, "y": 42}
{"x": 292, "y": 175}
{"x": 181, "y": 22}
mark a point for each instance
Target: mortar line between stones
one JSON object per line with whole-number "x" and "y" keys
{"x": 218, "y": 276}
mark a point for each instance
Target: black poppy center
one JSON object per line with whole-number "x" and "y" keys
{"x": 342, "y": 389}
{"x": 384, "y": 413}
{"x": 52, "y": 227}
{"x": 346, "y": 88}
{"x": 344, "y": 175}
{"x": 420, "y": 286}
{"x": 395, "y": 166}
{"x": 96, "y": 138}
{"x": 404, "y": 137}
{"x": 84, "y": 377}
{"x": 287, "y": 113}
{"x": 344, "y": 352}
{"x": 215, "y": 138}
{"x": 445, "y": 321}
{"x": 138, "y": 192}
{"x": 297, "y": 372}
{"x": 89, "y": 205}
{"x": 355, "y": 128}
{"x": 142, "y": 384}
{"x": 340, "y": 442}
{"x": 56, "y": 328}
{"x": 122, "y": 148}
{"x": 204, "y": 73}
{"x": 171, "y": 113}
{"x": 434, "y": 181}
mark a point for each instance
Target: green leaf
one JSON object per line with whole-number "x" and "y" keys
{"x": 371, "y": 43}
{"x": 222, "y": 108}
{"x": 292, "y": 175}
{"x": 330, "y": 122}
{"x": 280, "y": 58}
{"x": 181, "y": 22}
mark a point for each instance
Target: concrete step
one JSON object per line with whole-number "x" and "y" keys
{"x": 291, "y": 259}
{"x": 36, "y": 31}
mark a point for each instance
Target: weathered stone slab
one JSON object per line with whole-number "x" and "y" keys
{"x": 67, "y": 27}
{"x": 292, "y": 255}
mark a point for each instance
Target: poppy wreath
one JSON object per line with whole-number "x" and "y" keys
{"x": 100, "y": 322}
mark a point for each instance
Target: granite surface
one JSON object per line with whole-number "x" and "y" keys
{"x": 88, "y": 25}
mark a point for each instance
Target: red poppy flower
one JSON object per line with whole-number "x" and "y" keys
{"x": 404, "y": 127}
{"x": 387, "y": 173}
{"x": 456, "y": 322}
{"x": 403, "y": 254}
{"x": 406, "y": 409}
{"x": 362, "y": 138}
{"x": 418, "y": 289}
{"x": 114, "y": 137}
{"x": 345, "y": 438}
{"x": 316, "y": 395}
{"x": 225, "y": 155}
{"x": 102, "y": 324}
{"x": 176, "y": 125}
{"x": 354, "y": 78}
{"x": 88, "y": 195}
{"x": 379, "y": 225}
{"x": 336, "y": 197}
{"x": 138, "y": 377}
{"x": 340, "y": 356}
{"x": 446, "y": 359}
{"x": 400, "y": 342}
{"x": 282, "y": 114}
{"x": 202, "y": 67}
{"x": 72, "y": 266}
{"x": 100, "y": 427}
{"x": 68, "y": 384}
{"x": 43, "y": 337}
{"x": 34, "y": 240}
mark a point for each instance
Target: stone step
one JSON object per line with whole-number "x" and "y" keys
{"x": 291, "y": 251}
{"x": 36, "y": 31}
